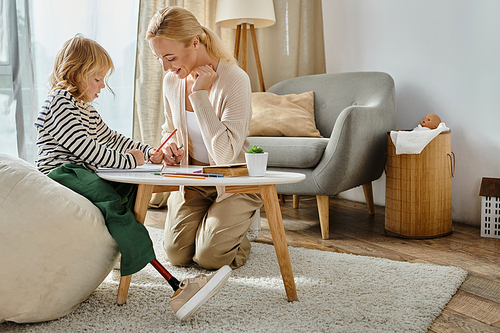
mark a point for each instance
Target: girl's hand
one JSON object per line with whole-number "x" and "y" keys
{"x": 156, "y": 156}
{"x": 171, "y": 154}
{"x": 138, "y": 156}
{"x": 205, "y": 76}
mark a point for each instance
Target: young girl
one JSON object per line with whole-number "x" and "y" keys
{"x": 73, "y": 141}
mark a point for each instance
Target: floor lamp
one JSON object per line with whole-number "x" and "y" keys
{"x": 243, "y": 15}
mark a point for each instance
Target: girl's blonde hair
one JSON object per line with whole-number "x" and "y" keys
{"x": 78, "y": 59}
{"x": 179, "y": 24}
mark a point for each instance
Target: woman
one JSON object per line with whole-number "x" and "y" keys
{"x": 207, "y": 99}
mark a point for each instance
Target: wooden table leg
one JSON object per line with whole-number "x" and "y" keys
{"x": 275, "y": 220}
{"x": 123, "y": 289}
{"x": 144, "y": 193}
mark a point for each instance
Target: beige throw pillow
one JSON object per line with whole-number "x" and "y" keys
{"x": 283, "y": 115}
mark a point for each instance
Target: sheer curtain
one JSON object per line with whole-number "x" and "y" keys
{"x": 290, "y": 48}
{"x": 293, "y": 46}
{"x": 17, "y": 102}
{"x": 31, "y": 33}
{"x": 148, "y": 106}
{"x": 41, "y": 28}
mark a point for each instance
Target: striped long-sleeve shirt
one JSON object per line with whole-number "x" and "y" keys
{"x": 73, "y": 132}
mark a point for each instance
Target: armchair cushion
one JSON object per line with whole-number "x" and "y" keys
{"x": 283, "y": 115}
{"x": 300, "y": 153}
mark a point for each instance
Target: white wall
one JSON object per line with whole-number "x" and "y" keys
{"x": 444, "y": 56}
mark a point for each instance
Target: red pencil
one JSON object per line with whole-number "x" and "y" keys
{"x": 149, "y": 159}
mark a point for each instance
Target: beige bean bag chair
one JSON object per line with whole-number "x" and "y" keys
{"x": 55, "y": 249}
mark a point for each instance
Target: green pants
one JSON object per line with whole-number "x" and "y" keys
{"x": 116, "y": 202}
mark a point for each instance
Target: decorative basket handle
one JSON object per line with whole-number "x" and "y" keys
{"x": 385, "y": 163}
{"x": 452, "y": 163}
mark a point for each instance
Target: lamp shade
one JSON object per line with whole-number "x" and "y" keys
{"x": 230, "y": 13}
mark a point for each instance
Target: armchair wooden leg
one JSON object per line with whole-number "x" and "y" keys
{"x": 323, "y": 202}
{"x": 282, "y": 198}
{"x": 295, "y": 201}
{"x": 367, "y": 189}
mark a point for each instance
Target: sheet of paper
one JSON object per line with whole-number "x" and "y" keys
{"x": 149, "y": 167}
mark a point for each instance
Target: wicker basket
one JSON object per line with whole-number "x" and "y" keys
{"x": 418, "y": 190}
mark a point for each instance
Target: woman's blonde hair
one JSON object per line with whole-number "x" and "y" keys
{"x": 179, "y": 24}
{"x": 77, "y": 60}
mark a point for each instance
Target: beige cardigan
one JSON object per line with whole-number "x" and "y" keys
{"x": 224, "y": 115}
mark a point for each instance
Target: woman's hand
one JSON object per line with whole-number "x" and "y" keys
{"x": 138, "y": 156}
{"x": 205, "y": 76}
{"x": 171, "y": 154}
{"x": 156, "y": 156}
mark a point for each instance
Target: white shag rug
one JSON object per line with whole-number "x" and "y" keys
{"x": 337, "y": 293}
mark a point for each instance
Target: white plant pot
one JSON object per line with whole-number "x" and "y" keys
{"x": 256, "y": 164}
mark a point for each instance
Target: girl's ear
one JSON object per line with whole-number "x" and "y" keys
{"x": 80, "y": 81}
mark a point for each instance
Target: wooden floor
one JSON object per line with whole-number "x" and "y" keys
{"x": 476, "y": 305}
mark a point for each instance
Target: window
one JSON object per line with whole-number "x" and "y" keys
{"x": 39, "y": 29}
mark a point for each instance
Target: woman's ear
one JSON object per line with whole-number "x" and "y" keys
{"x": 196, "y": 42}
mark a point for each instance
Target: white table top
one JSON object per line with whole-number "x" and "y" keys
{"x": 272, "y": 177}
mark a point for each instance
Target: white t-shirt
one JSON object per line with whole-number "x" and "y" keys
{"x": 198, "y": 149}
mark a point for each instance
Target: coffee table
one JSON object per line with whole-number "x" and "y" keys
{"x": 149, "y": 183}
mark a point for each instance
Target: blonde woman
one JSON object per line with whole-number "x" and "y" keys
{"x": 207, "y": 99}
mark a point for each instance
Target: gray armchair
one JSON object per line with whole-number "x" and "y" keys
{"x": 353, "y": 112}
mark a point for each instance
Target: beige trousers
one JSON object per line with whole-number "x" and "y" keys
{"x": 212, "y": 234}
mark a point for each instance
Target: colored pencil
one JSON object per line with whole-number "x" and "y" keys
{"x": 149, "y": 159}
{"x": 193, "y": 174}
{"x": 183, "y": 176}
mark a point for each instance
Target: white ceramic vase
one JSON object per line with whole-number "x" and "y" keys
{"x": 256, "y": 164}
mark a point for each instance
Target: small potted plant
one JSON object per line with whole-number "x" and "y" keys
{"x": 256, "y": 160}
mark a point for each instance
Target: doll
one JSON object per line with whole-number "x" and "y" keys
{"x": 413, "y": 142}
{"x": 431, "y": 121}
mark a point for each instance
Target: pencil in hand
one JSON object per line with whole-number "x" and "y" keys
{"x": 180, "y": 147}
{"x": 161, "y": 146}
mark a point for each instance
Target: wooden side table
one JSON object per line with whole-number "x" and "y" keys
{"x": 418, "y": 190}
